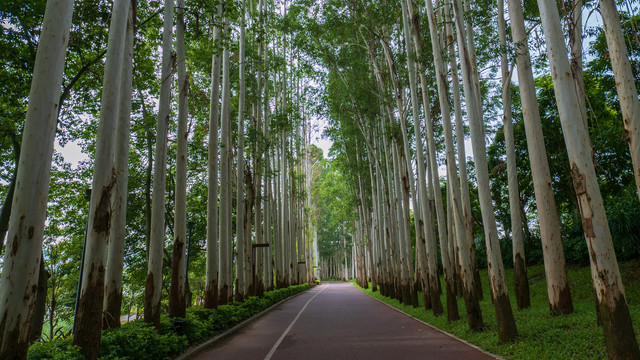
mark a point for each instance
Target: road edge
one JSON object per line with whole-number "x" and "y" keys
{"x": 435, "y": 328}
{"x": 194, "y": 350}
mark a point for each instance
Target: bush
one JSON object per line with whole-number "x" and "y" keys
{"x": 139, "y": 340}
{"x": 56, "y": 349}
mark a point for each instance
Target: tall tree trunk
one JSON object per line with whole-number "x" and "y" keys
{"x": 89, "y": 312}
{"x": 269, "y": 205}
{"x": 177, "y": 293}
{"x": 153, "y": 286}
{"x": 241, "y": 242}
{"x": 407, "y": 182}
{"x": 259, "y": 284}
{"x": 213, "y": 274}
{"x": 558, "y": 291}
{"x": 474, "y": 315}
{"x": 409, "y": 22}
{"x": 616, "y": 321}
{"x": 623, "y": 74}
{"x": 226, "y": 159}
{"x": 466, "y": 216}
{"x": 504, "y": 315}
{"x": 520, "y": 281}
{"x": 115, "y": 258}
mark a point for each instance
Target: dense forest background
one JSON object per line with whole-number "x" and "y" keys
{"x": 320, "y": 47}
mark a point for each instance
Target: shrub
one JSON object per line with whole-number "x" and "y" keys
{"x": 139, "y": 340}
{"x": 55, "y": 349}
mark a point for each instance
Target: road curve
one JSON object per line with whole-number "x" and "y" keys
{"x": 338, "y": 321}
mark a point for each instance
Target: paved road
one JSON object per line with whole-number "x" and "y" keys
{"x": 338, "y": 321}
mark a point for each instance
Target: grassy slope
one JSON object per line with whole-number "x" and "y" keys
{"x": 541, "y": 336}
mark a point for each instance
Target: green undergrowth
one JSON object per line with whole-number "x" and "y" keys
{"x": 139, "y": 340}
{"x": 540, "y": 335}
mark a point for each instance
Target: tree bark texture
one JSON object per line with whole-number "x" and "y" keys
{"x": 89, "y": 312}
{"x": 177, "y": 292}
{"x": 153, "y": 285}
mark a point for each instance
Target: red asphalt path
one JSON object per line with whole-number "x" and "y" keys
{"x": 338, "y": 321}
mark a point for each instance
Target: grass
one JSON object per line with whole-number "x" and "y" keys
{"x": 540, "y": 335}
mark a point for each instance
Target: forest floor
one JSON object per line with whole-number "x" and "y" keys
{"x": 540, "y": 335}
{"x": 337, "y": 321}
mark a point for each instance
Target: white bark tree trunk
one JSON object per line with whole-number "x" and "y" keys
{"x": 153, "y": 287}
{"x": 226, "y": 159}
{"x": 425, "y": 209}
{"x": 474, "y": 315}
{"x": 177, "y": 295}
{"x": 623, "y": 74}
{"x": 558, "y": 291}
{"x": 115, "y": 258}
{"x": 241, "y": 242}
{"x": 616, "y": 321}
{"x": 89, "y": 312}
{"x": 20, "y": 270}
{"x": 520, "y": 282}
{"x": 504, "y": 314}
{"x": 213, "y": 273}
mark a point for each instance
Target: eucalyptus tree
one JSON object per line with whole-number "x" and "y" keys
{"x": 403, "y": 179}
{"x": 506, "y": 323}
{"x": 213, "y": 273}
{"x": 558, "y": 291}
{"x": 153, "y": 285}
{"x": 466, "y": 215}
{"x": 225, "y": 284}
{"x": 243, "y": 246}
{"x": 464, "y": 237}
{"x": 521, "y": 281}
{"x": 22, "y": 259}
{"x": 177, "y": 295}
{"x": 627, "y": 92}
{"x": 412, "y": 39}
{"x": 614, "y": 312}
{"x": 115, "y": 257}
{"x": 89, "y": 310}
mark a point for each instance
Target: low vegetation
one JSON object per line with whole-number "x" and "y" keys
{"x": 139, "y": 340}
{"x": 540, "y": 335}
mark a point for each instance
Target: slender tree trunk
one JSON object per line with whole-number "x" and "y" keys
{"x": 520, "y": 281}
{"x": 452, "y": 304}
{"x": 241, "y": 242}
{"x": 89, "y": 312}
{"x": 177, "y": 293}
{"x": 115, "y": 258}
{"x": 213, "y": 274}
{"x": 465, "y": 200}
{"x": 259, "y": 283}
{"x": 616, "y": 321}
{"x": 226, "y": 159}
{"x": 474, "y": 315}
{"x": 153, "y": 286}
{"x": 623, "y": 74}
{"x": 504, "y": 315}
{"x": 268, "y": 196}
{"x": 558, "y": 290}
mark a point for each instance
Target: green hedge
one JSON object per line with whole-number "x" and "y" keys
{"x": 139, "y": 340}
